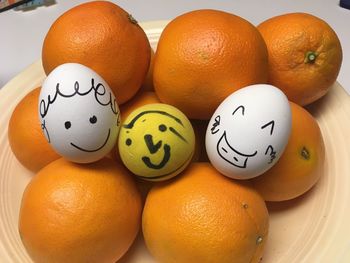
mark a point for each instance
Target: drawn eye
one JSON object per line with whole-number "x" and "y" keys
{"x": 270, "y": 124}
{"x": 128, "y": 142}
{"x": 162, "y": 128}
{"x": 67, "y": 125}
{"x": 93, "y": 119}
{"x": 239, "y": 108}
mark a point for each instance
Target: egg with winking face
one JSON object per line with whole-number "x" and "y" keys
{"x": 248, "y": 131}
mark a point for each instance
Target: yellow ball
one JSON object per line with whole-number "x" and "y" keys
{"x": 156, "y": 142}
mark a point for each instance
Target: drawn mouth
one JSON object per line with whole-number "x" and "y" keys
{"x": 147, "y": 161}
{"x": 95, "y": 150}
{"x": 169, "y": 173}
{"x": 230, "y": 154}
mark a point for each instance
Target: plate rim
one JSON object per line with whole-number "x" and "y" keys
{"x": 152, "y": 29}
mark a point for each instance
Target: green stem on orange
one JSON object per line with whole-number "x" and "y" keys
{"x": 132, "y": 19}
{"x": 310, "y": 57}
{"x": 305, "y": 153}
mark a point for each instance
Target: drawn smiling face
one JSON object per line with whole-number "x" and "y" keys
{"x": 230, "y": 154}
{"x": 156, "y": 142}
{"x": 249, "y": 131}
{"x": 85, "y": 133}
{"x": 78, "y": 112}
{"x": 92, "y": 120}
{"x": 234, "y": 156}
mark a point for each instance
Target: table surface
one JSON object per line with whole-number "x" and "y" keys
{"x": 22, "y": 33}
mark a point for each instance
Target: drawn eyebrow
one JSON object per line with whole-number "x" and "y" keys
{"x": 272, "y": 123}
{"x": 239, "y": 107}
{"x": 138, "y": 116}
{"x": 177, "y": 134}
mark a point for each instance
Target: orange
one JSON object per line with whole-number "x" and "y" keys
{"x": 205, "y": 55}
{"x": 305, "y": 55}
{"x": 147, "y": 84}
{"x": 141, "y": 98}
{"x": 301, "y": 164}
{"x": 80, "y": 213}
{"x": 26, "y": 138}
{"x": 203, "y": 216}
{"x": 104, "y": 37}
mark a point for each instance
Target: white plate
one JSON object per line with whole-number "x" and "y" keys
{"x": 312, "y": 228}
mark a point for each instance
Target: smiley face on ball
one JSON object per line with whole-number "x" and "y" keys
{"x": 156, "y": 142}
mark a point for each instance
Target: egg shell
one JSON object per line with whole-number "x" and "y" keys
{"x": 78, "y": 112}
{"x": 248, "y": 131}
{"x": 156, "y": 142}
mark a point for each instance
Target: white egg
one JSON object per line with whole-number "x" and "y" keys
{"x": 248, "y": 131}
{"x": 79, "y": 114}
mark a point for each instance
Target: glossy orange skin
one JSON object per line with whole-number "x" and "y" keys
{"x": 147, "y": 84}
{"x": 205, "y": 55}
{"x": 301, "y": 164}
{"x": 289, "y": 38}
{"x": 140, "y": 99}
{"x": 104, "y": 37}
{"x": 27, "y": 141}
{"x": 80, "y": 213}
{"x": 203, "y": 216}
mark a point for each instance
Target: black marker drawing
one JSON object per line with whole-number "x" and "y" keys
{"x": 153, "y": 148}
{"x": 162, "y": 128}
{"x": 67, "y": 125}
{"x": 128, "y": 141}
{"x": 93, "y": 119}
{"x": 271, "y": 124}
{"x": 272, "y": 153}
{"x": 233, "y": 156}
{"x": 214, "y": 128}
{"x": 241, "y": 107}
{"x": 132, "y": 122}
{"x": 230, "y": 154}
{"x": 166, "y": 174}
{"x": 177, "y": 134}
{"x": 95, "y": 150}
{"x": 43, "y": 127}
{"x": 99, "y": 92}
{"x": 147, "y": 161}
{"x": 148, "y": 138}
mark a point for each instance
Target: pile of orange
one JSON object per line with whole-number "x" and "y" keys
{"x": 93, "y": 212}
